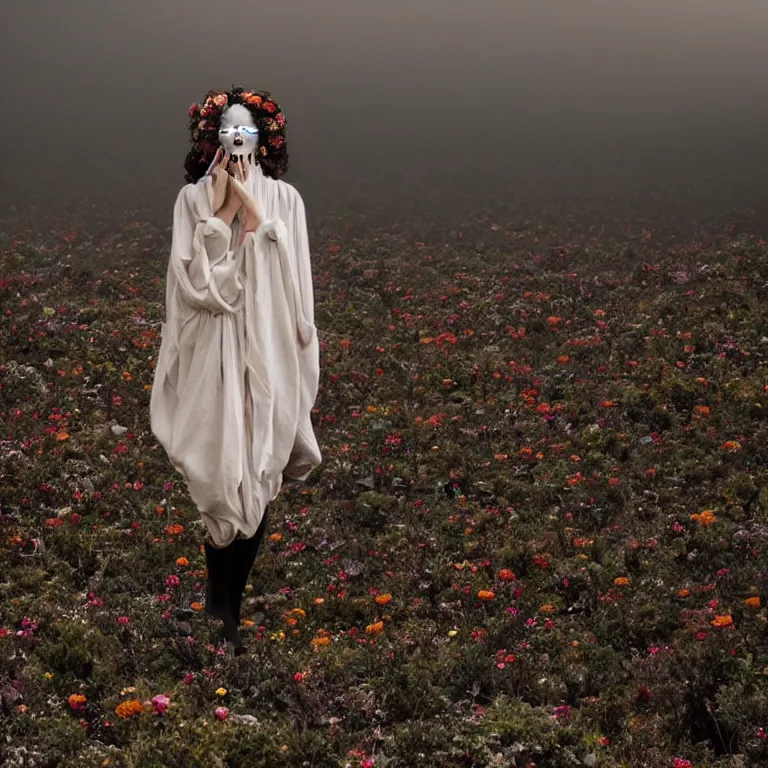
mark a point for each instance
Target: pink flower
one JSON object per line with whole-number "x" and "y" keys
{"x": 123, "y": 621}
{"x": 679, "y": 762}
{"x": 298, "y": 677}
{"x": 222, "y": 713}
{"x": 194, "y": 109}
{"x": 562, "y": 713}
{"x": 172, "y": 581}
{"x": 160, "y": 703}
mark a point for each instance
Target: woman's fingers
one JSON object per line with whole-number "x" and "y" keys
{"x": 215, "y": 162}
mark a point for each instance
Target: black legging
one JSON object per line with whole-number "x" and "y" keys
{"x": 228, "y": 571}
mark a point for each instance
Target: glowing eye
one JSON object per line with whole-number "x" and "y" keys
{"x": 250, "y": 131}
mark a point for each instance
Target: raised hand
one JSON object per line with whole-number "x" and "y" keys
{"x": 219, "y": 178}
{"x": 251, "y": 212}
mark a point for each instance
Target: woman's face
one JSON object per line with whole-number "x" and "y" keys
{"x": 238, "y": 133}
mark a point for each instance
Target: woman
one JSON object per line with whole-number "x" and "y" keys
{"x": 237, "y": 373}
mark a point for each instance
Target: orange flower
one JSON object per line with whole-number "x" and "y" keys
{"x": 705, "y": 518}
{"x": 486, "y": 594}
{"x": 318, "y": 601}
{"x": 505, "y": 575}
{"x": 702, "y": 411}
{"x": 76, "y": 702}
{"x": 722, "y": 621}
{"x": 621, "y": 581}
{"x": 563, "y": 359}
{"x": 62, "y": 436}
{"x": 275, "y": 537}
{"x": 318, "y": 642}
{"x": 608, "y": 404}
{"x": 731, "y": 446}
{"x": 129, "y": 708}
{"x": 683, "y": 592}
{"x": 375, "y": 629}
{"x": 752, "y": 602}
{"x": 547, "y": 608}
{"x": 383, "y": 599}
{"x": 127, "y": 376}
{"x": 553, "y": 322}
{"x": 196, "y": 607}
{"x": 247, "y": 622}
{"x": 175, "y": 529}
{"x": 182, "y": 561}
{"x": 299, "y": 612}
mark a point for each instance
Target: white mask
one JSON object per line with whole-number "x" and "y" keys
{"x": 238, "y": 133}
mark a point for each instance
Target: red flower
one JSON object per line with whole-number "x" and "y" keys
{"x": 269, "y": 106}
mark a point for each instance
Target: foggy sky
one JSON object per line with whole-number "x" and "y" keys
{"x": 571, "y": 96}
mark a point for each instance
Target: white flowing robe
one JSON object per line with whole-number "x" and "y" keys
{"x": 238, "y": 369}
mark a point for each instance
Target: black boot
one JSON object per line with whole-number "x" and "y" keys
{"x": 243, "y": 559}
{"x": 220, "y": 572}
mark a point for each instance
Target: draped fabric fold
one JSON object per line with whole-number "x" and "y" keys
{"x": 238, "y": 369}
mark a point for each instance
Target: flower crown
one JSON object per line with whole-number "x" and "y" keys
{"x": 205, "y": 120}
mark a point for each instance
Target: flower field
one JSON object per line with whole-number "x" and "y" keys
{"x": 538, "y": 537}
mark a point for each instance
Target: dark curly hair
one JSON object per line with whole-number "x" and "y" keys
{"x": 204, "y": 121}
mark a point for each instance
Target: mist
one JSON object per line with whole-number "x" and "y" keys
{"x": 407, "y": 105}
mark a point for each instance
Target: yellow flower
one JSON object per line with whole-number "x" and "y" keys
{"x": 221, "y": 691}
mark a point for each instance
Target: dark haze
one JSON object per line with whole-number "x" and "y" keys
{"x": 406, "y": 105}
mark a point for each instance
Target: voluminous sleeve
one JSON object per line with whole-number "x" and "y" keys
{"x": 205, "y": 267}
{"x": 305, "y": 455}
